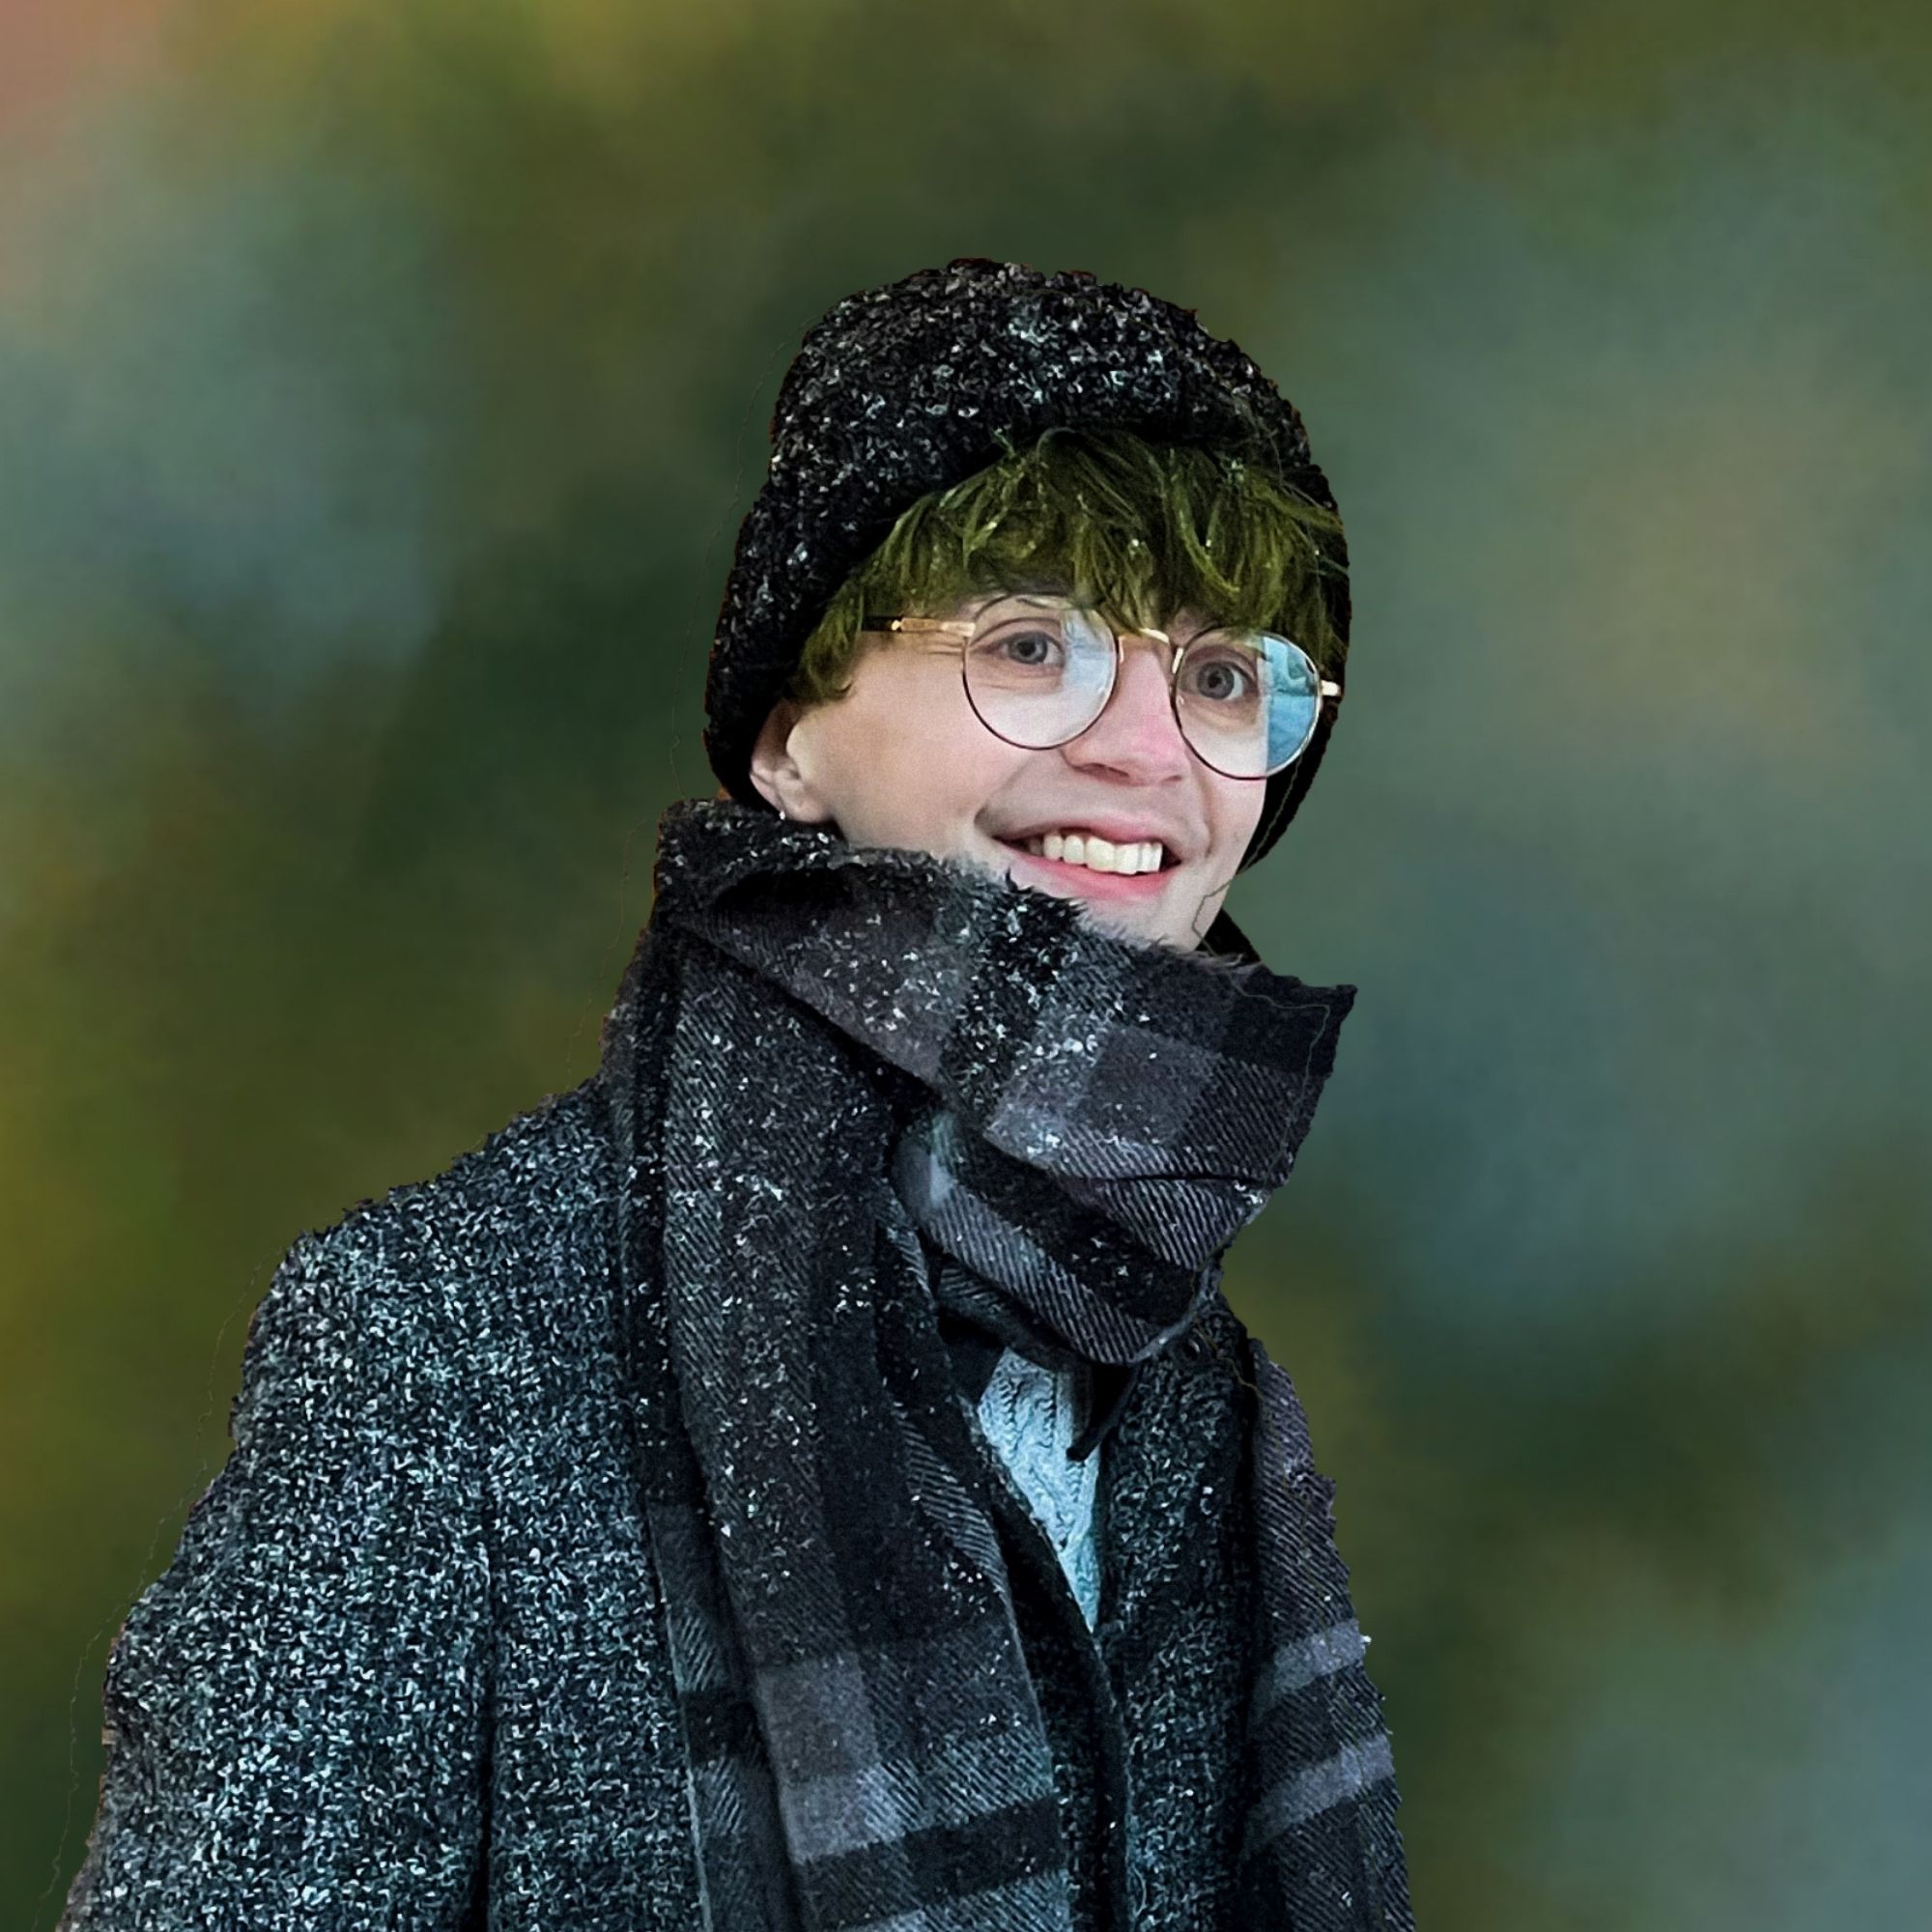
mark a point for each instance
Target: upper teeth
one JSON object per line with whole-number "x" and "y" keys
{"x": 1099, "y": 854}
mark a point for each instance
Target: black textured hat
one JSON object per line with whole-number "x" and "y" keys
{"x": 898, "y": 391}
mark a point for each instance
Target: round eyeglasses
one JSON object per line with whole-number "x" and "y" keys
{"x": 1039, "y": 670}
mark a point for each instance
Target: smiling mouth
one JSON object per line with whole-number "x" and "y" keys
{"x": 1078, "y": 875}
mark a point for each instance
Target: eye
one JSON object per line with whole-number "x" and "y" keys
{"x": 1032, "y": 647}
{"x": 1223, "y": 675}
{"x": 1022, "y": 646}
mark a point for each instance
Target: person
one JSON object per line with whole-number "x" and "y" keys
{"x": 808, "y": 1476}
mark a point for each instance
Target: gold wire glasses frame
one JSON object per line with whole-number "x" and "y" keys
{"x": 960, "y": 632}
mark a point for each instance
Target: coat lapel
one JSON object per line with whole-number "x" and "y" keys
{"x": 1172, "y": 1471}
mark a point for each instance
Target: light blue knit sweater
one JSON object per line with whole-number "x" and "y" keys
{"x": 1028, "y": 1414}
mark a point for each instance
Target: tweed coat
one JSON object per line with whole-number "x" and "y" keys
{"x": 408, "y": 1667}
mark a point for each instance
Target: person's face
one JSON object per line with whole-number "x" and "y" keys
{"x": 903, "y": 761}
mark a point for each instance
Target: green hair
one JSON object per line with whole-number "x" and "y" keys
{"x": 1139, "y": 529}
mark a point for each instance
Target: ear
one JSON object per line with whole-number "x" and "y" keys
{"x": 777, "y": 772}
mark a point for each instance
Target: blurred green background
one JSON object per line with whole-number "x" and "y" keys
{"x": 381, "y": 388}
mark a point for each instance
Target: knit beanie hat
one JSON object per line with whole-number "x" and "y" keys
{"x": 899, "y": 390}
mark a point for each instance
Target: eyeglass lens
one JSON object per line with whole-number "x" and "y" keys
{"x": 1040, "y": 671}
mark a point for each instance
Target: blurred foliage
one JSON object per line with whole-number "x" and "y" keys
{"x": 380, "y": 391}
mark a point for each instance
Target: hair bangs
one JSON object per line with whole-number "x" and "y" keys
{"x": 1141, "y": 531}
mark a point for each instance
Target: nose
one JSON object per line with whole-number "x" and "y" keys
{"x": 1136, "y": 733}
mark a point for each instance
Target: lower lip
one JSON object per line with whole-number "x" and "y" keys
{"x": 1083, "y": 879}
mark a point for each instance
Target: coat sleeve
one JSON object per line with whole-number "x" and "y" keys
{"x": 296, "y": 1708}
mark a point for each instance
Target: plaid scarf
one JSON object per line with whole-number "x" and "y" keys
{"x": 836, "y": 1055}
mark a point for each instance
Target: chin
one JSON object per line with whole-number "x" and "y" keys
{"x": 1126, "y": 924}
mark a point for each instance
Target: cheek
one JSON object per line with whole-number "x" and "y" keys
{"x": 924, "y": 743}
{"x": 928, "y": 733}
{"x": 1236, "y": 808}
{"x": 943, "y": 775}
{"x": 906, "y": 761}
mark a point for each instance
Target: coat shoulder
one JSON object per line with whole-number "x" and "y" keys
{"x": 553, "y": 1159}
{"x": 540, "y": 1189}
